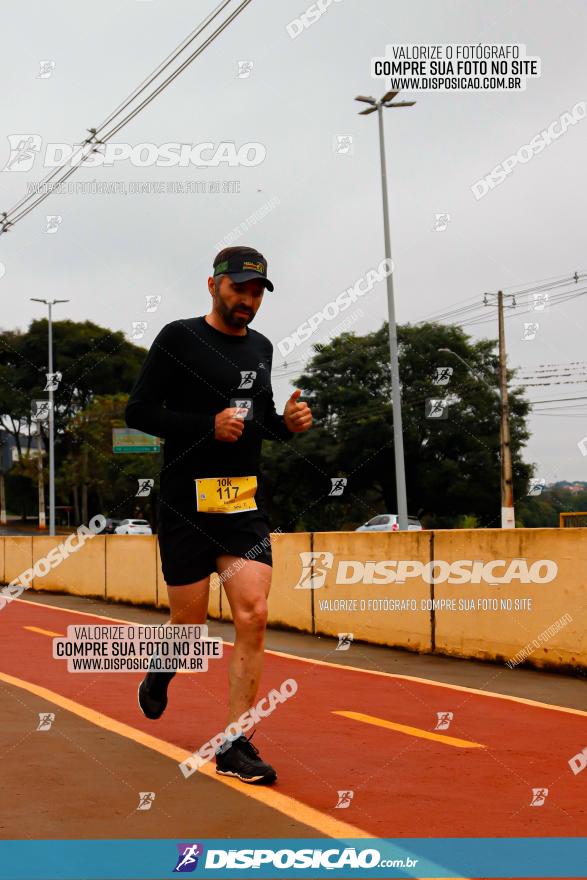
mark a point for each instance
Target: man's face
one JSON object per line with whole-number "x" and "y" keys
{"x": 237, "y": 302}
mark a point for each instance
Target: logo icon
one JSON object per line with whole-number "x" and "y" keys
{"x": 46, "y": 69}
{"x": 23, "y": 149}
{"x": 343, "y": 145}
{"x": 53, "y": 223}
{"x": 138, "y": 329}
{"x": 441, "y": 221}
{"x": 245, "y": 68}
{"x": 344, "y": 641}
{"x": 53, "y": 380}
{"x": 145, "y": 486}
{"x": 530, "y": 330}
{"x": 151, "y": 302}
{"x": 315, "y": 567}
{"x": 539, "y": 302}
{"x": 344, "y": 800}
{"x": 338, "y": 485}
{"x": 436, "y": 408}
{"x": 46, "y": 719}
{"x": 444, "y": 719}
{"x": 442, "y": 376}
{"x": 146, "y": 799}
{"x": 247, "y": 379}
{"x": 244, "y": 407}
{"x": 536, "y": 487}
{"x": 188, "y": 856}
{"x": 40, "y": 410}
{"x": 539, "y": 795}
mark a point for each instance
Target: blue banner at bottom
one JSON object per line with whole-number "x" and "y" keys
{"x": 553, "y": 857}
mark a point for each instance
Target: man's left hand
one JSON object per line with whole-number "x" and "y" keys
{"x": 297, "y": 414}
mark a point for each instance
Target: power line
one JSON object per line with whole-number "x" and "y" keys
{"x": 165, "y": 63}
{"x": 8, "y": 223}
{"x": 528, "y": 287}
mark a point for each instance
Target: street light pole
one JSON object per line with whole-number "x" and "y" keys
{"x": 51, "y": 303}
{"x": 398, "y": 437}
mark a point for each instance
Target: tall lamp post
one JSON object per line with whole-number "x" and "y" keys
{"x": 51, "y": 303}
{"x": 398, "y": 437}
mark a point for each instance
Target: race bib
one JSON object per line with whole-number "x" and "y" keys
{"x": 226, "y": 494}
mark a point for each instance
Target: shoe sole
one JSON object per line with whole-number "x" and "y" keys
{"x": 268, "y": 779}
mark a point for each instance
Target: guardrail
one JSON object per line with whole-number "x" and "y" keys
{"x": 333, "y": 582}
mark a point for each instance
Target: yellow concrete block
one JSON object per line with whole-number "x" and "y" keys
{"x": 501, "y": 633}
{"x": 81, "y": 573}
{"x": 288, "y": 606}
{"x": 18, "y": 556}
{"x": 131, "y": 569}
{"x": 402, "y": 628}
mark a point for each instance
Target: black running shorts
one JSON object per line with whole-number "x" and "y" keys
{"x": 189, "y": 547}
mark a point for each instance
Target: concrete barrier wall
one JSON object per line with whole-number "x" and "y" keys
{"x": 18, "y": 556}
{"x": 500, "y": 634}
{"x": 365, "y": 609}
{"x": 327, "y": 583}
{"x": 82, "y": 573}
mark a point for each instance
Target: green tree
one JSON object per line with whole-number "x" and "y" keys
{"x": 99, "y": 480}
{"x": 93, "y": 361}
{"x": 452, "y": 464}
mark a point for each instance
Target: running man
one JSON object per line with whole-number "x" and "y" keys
{"x": 205, "y": 387}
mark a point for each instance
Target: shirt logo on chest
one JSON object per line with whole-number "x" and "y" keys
{"x": 247, "y": 379}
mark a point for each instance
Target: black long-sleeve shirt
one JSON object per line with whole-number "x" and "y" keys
{"x": 192, "y": 372}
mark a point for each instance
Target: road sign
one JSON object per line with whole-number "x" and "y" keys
{"x": 131, "y": 440}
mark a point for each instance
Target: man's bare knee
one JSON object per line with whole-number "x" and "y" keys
{"x": 251, "y": 620}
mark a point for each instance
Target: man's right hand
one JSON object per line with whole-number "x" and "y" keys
{"x": 228, "y": 426}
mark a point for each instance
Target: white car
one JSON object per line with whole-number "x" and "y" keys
{"x": 133, "y": 527}
{"x": 388, "y": 522}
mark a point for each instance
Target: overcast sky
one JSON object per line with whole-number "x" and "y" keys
{"x": 324, "y": 230}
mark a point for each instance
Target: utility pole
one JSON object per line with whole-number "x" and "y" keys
{"x": 508, "y": 518}
{"x": 3, "y": 519}
{"x": 398, "y": 437}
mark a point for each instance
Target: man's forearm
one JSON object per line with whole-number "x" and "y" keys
{"x": 162, "y": 422}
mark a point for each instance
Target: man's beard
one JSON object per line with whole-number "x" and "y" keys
{"x": 232, "y": 319}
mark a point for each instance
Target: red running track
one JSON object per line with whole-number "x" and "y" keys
{"x": 404, "y": 786}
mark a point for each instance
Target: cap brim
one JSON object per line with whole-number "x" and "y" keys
{"x": 251, "y": 276}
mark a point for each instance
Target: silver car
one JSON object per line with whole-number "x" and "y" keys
{"x": 388, "y": 522}
{"x": 133, "y": 527}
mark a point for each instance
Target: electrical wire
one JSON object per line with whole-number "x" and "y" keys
{"x": 10, "y": 218}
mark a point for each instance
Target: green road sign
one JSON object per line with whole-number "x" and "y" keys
{"x": 131, "y": 440}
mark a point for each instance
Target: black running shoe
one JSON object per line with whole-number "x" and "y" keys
{"x": 241, "y": 760}
{"x": 152, "y": 694}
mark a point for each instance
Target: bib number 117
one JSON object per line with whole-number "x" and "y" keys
{"x": 226, "y": 490}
